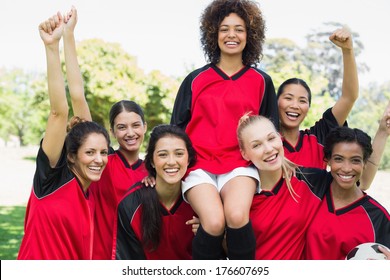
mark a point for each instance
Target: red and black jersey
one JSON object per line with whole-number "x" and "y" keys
{"x": 209, "y": 105}
{"x": 308, "y": 152}
{"x": 335, "y": 232}
{"x": 115, "y": 181}
{"x": 279, "y": 222}
{"x": 58, "y": 223}
{"x": 176, "y": 236}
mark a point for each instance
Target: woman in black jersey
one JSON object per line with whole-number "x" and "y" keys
{"x": 154, "y": 223}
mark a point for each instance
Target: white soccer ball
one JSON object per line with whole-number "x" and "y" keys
{"x": 366, "y": 251}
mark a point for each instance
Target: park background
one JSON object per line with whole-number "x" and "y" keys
{"x": 141, "y": 50}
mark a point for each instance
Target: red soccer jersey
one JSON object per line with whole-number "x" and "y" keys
{"x": 335, "y": 232}
{"x": 308, "y": 152}
{"x": 279, "y": 222}
{"x": 116, "y": 180}
{"x": 58, "y": 222}
{"x": 209, "y": 105}
{"x": 176, "y": 237}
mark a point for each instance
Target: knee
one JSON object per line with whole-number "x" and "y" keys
{"x": 237, "y": 218}
{"x": 214, "y": 225}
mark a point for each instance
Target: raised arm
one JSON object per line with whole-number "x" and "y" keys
{"x": 51, "y": 32}
{"x": 350, "y": 89}
{"x": 378, "y": 146}
{"x": 73, "y": 73}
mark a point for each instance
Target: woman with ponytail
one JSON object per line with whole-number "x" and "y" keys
{"x": 59, "y": 221}
{"x": 291, "y": 196}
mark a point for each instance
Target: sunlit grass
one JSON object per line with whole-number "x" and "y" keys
{"x": 11, "y": 230}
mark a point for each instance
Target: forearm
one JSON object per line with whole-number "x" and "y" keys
{"x": 73, "y": 74}
{"x": 350, "y": 88}
{"x": 372, "y": 166}
{"x": 55, "y": 80}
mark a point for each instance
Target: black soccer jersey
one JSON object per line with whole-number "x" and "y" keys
{"x": 175, "y": 239}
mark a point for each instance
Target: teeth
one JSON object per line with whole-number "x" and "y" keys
{"x": 95, "y": 168}
{"x": 231, "y": 43}
{"x": 271, "y": 158}
{"x": 171, "y": 170}
{"x": 295, "y": 115}
{"x": 345, "y": 177}
{"x": 131, "y": 141}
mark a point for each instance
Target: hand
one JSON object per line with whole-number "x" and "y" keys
{"x": 149, "y": 181}
{"x": 342, "y": 38}
{"x": 385, "y": 252}
{"x": 70, "y": 20}
{"x": 195, "y": 224}
{"x": 51, "y": 30}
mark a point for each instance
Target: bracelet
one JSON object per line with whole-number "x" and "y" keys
{"x": 373, "y": 163}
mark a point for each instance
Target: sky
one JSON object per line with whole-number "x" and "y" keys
{"x": 164, "y": 34}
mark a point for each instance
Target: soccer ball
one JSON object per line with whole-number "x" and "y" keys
{"x": 366, "y": 251}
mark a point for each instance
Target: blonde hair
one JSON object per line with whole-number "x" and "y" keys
{"x": 288, "y": 167}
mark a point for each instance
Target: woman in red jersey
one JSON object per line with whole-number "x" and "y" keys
{"x": 347, "y": 216}
{"x": 283, "y": 211}
{"x": 59, "y": 219}
{"x": 152, "y": 222}
{"x": 304, "y": 147}
{"x": 209, "y": 103}
{"x": 124, "y": 169}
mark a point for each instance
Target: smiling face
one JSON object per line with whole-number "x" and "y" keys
{"x": 170, "y": 160}
{"x": 91, "y": 159}
{"x": 262, "y": 145}
{"x": 346, "y": 164}
{"x": 293, "y": 106}
{"x": 232, "y": 35}
{"x": 129, "y": 130}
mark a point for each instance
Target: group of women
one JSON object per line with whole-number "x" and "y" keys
{"x": 261, "y": 191}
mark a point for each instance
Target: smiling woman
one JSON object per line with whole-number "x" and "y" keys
{"x": 58, "y": 222}
{"x": 150, "y": 221}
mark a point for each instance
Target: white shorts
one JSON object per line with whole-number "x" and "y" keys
{"x": 199, "y": 176}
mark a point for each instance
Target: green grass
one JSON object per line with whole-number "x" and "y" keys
{"x": 11, "y": 230}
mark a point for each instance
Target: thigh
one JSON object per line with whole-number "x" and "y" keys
{"x": 207, "y": 203}
{"x": 237, "y": 195}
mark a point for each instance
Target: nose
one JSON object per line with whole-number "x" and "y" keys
{"x": 98, "y": 158}
{"x": 171, "y": 159}
{"x": 130, "y": 131}
{"x": 294, "y": 104}
{"x": 231, "y": 33}
{"x": 267, "y": 147}
{"x": 347, "y": 166}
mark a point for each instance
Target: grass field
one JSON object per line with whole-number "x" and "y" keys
{"x": 11, "y": 231}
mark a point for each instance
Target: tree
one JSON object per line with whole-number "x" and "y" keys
{"x": 325, "y": 60}
{"x": 16, "y": 99}
{"x": 110, "y": 75}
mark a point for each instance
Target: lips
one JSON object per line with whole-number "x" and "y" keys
{"x": 271, "y": 158}
{"x": 96, "y": 169}
{"x": 292, "y": 116}
{"x": 346, "y": 177}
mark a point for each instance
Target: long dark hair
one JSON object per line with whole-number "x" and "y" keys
{"x": 151, "y": 214}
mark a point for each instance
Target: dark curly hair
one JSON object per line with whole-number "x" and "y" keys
{"x": 214, "y": 14}
{"x": 345, "y": 134}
